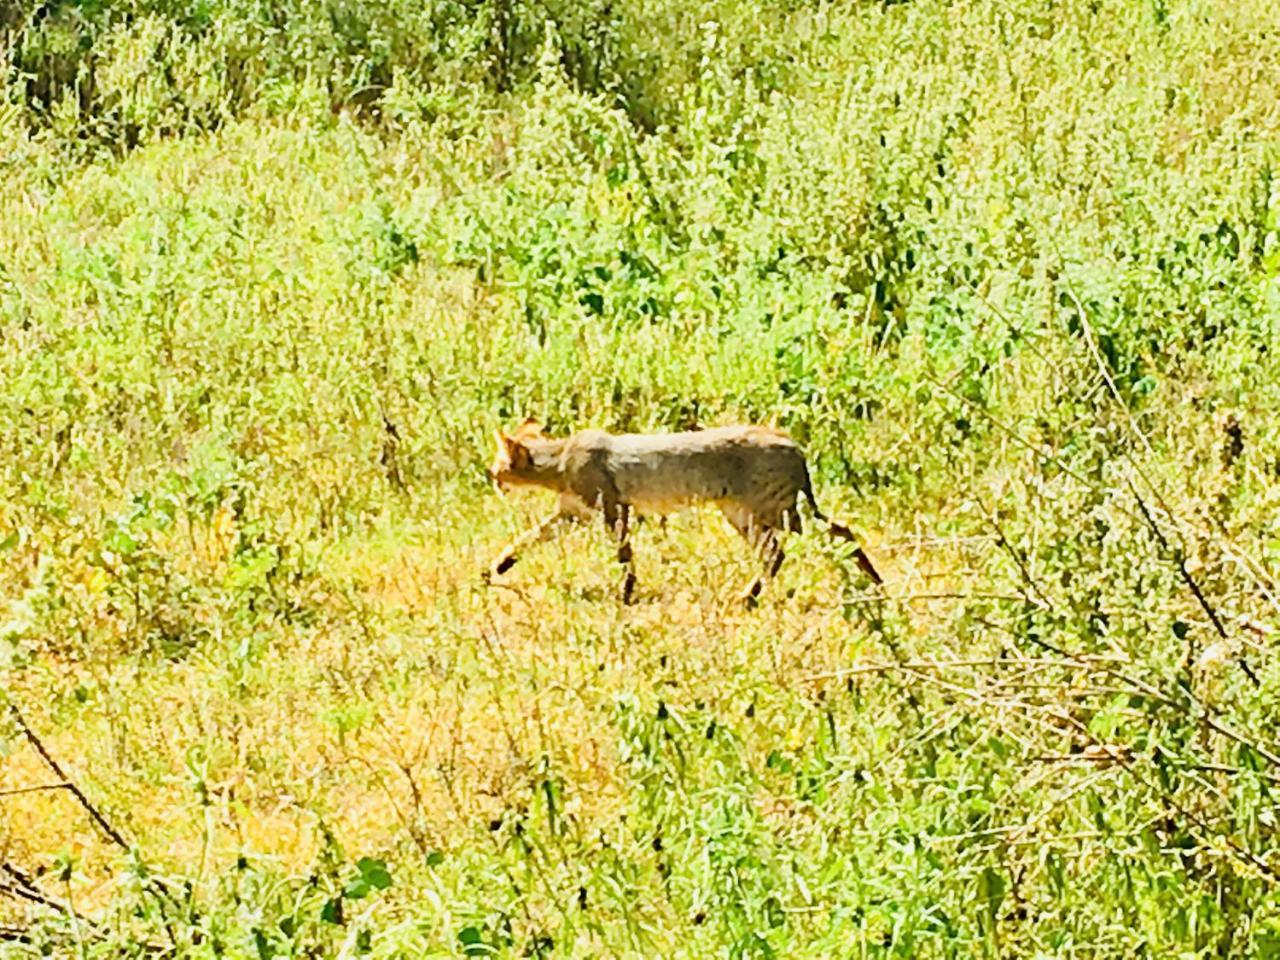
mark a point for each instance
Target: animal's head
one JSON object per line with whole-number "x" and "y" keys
{"x": 513, "y": 461}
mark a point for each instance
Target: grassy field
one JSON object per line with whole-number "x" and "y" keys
{"x": 272, "y": 274}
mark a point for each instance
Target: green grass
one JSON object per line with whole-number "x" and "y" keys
{"x": 270, "y": 279}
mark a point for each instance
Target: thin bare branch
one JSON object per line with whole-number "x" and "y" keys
{"x": 103, "y": 823}
{"x": 1179, "y": 559}
{"x": 14, "y": 791}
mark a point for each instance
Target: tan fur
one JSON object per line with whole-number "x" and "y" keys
{"x": 755, "y": 475}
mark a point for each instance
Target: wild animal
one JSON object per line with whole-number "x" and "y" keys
{"x": 754, "y": 474}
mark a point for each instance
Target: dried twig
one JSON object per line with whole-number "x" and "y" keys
{"x": 952, "y": 595}
{"x": 1090, "y": 662}
{"x": 24, "y": 889}
{"x": 1003, "y": 542}
{"x": 15, "y": 934}
{"x": 103, "y": 823}
{"x": 1048, "y": 457}
{"x": 1179, "y": 559}
{"x": 23, "y": 892}
{"x": 1179, "y": 556}
{"x": 13, "y": 791}
{"x": 1120, "y": 757}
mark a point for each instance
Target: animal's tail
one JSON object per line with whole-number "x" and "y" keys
{"x": 841, "y": 531}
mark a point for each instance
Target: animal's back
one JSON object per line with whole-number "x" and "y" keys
{"x": 758, "y": 467}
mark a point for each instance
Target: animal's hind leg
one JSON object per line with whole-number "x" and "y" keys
{"x": 763, "y": 539}
{"x": 840, "y": 532}
{"x": 771, "y": 557}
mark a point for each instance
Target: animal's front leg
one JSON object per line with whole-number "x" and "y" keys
{"x": 545, "y": 530}
{"x": 617, "y": 518}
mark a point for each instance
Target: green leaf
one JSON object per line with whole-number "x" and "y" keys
{"x": 265, "y": 950}
{"x": 374, "y": 873}
{"x": 773, "y": 912}
{"x": 991, "y": 887}
{"x": 122, "y": 543}
{"x": 1267, "y": 940}
{"x": 473, "y": 944}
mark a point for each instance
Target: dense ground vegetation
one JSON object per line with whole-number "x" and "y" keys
{"x": 272, "y": 273}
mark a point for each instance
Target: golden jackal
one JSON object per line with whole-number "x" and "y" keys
{"x": 755, "y": 475}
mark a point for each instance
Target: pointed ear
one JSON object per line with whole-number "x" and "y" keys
{"x": 530, "y": 428}
{"x": 517, "y": 452}
{"x": 511, "y": 449}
